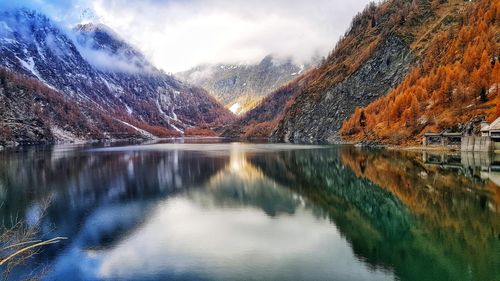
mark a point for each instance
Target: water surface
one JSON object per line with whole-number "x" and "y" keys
{"x": 236, "y": 211}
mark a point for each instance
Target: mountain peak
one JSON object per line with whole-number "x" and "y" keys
{"x": 97, "y": 27}
{"x": 102, "y": 74}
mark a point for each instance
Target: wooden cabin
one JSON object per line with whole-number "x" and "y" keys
{"x": 442, "y": 139}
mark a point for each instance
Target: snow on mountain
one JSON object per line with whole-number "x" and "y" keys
{"x": 240, "y": 87}
{"x": 92, "y": 64}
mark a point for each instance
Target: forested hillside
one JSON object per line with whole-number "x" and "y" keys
{"x": 457, "y": 80}
{"x": 378, "y": 54}
{"x": 33, "y": 113}
{"x": 97, "y": 74}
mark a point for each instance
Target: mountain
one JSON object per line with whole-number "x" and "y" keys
{"x": 241, "y": 86}
{"x": 92, "y": 66}
{"x": 454, "y": 87}
{"x": 260, "y": 121}
{"x": 384, "y": 44}
{"x": 181, "y": 105}
{"x": 32, "y": 113}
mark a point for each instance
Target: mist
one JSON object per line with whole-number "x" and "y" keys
{"x": 177, "y": 34}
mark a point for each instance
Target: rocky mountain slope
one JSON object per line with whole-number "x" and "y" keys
{"x": 453, "y": 88}
{"x": 375, "y": 55}
{"x": 241, "y": 87}
{"x": 32, "y": 113}
{"x": 260, "y": 121}
{"x": 92, "y": 65}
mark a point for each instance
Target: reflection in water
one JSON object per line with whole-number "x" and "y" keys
{"x": 257, "y": 212}
{"x": 457, "y": 214}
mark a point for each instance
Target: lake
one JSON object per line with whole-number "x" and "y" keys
{"x": 210, "y": 210}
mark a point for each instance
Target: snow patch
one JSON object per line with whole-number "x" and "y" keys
{"x": 177, "y": 129}
{"x": 29, "y": 64}
{"x": 235, "y": 108}
{"x": 38, "y": 49}
{"x": 161, "y": 110}
{"x": 112, "y": 87}
{"x": 8, "y": 40}
{"x": 174, "y": 115}
{"x": 143, "y": 132}
{"x": 129, "y": 110}
{"x": 5, "y": 27}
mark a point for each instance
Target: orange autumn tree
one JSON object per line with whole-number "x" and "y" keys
{"x": 457, "y": 80}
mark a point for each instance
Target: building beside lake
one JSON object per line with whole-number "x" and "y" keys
{"x": 489, "y": 140}
{"x": 477, "y": 165}
{"x": 491, "y": 132}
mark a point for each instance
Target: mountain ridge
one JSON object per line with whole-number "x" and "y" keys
{"x": 378, "y": 52}
{"x": 240, "y": 87}
{"x": 33, "y": 46}
{"x": 453, "y": 88}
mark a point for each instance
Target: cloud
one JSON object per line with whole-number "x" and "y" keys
{"x": 228, "y": 245}
{"x": 109, "y": 62}
{"x": 119, "y": 60}
{"x": 179, "y": 34}
{"x": 62, "y": 11}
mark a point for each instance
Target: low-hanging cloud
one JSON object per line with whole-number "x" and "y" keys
{"x": 179, "y": 34}
{"x": 120, "y": 60}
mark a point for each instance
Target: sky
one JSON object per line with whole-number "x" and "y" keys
{"x": 179, "y": 34}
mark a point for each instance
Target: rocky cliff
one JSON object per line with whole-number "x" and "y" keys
{"x": 318, "y": 120}
{"x": 382, "y": 45}
{"x": 454, "y": 86}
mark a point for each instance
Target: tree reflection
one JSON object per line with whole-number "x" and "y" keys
{"x": 423, "y": 217}
{"x": 426, "y": 222}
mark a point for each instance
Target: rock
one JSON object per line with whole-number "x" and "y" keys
{"x": 320, "y": 120}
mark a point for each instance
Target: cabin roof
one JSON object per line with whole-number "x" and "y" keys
{"x": 495, "y": 125}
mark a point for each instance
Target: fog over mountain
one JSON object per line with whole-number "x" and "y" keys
{"x": 177, "y": 35}
{"x": 88, "y": 83}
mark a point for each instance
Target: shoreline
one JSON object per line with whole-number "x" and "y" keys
{"x": 425, "y": 148}
{"x": 414, "y": 148}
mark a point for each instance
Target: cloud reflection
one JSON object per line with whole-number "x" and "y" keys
{"x": 182, "y": 237}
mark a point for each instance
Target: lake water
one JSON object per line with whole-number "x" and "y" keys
{"x": 236, "y": 211}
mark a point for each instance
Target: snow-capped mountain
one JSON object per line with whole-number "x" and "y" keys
{"x": 93, "y": 65}
{"x": 241, "y": 86}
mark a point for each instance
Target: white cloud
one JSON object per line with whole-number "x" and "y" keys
{"x": 179, "y": 34}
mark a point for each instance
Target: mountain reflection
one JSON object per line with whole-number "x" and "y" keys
{"x": 258, "y": 211}
{"x": 457, "y": 214}
{"x": 242, "y": 184}
{"x": 426, "y": 222}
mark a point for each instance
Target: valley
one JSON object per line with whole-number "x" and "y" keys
{"x": 250, "y": 140}
{"x": 399, "y": 72}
